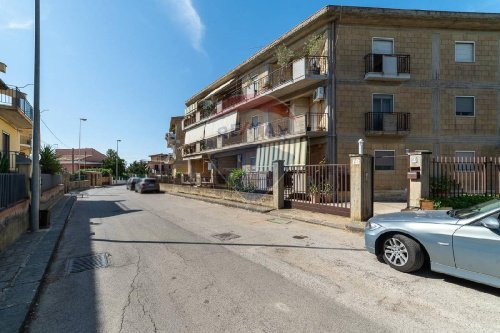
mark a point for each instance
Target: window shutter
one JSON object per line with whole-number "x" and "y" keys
{"x": 464, "y": 52}
{"x": 382, "y": 46}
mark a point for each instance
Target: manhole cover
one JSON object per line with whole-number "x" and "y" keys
{"x": 279, "y": 221}
{"x": 77, "y": 265}
{"x": 299, "y": 237}
{"x": 226, "y": 236}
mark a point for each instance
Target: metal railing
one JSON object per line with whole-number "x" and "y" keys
{"x": 12, "y": 189}
{"x": 453, "y": 176}
{"x": 15, "y": 98}
{"x": 387, "y": 121}
{"x": 374, "y": 63}
{"x": 317, "y": 122}
{"x": 322, "y": 184}
{"x": 251, "y": 181}
{"x": 316, "y": 65}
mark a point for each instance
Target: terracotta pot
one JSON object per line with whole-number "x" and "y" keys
{"x": 426, "y": 204}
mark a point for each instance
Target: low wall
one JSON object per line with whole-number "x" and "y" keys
{"x": 244, "y": 197}
{"x": 70, "y": 186}
{"x": 14, "y": 221}
{"x": 50, "y": 197}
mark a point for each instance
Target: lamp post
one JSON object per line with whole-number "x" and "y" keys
{"x": 79, "y": 148}
{"x": 116, "y": 174}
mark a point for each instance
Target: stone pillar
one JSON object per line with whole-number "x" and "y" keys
{"x": 279, "y": 184}
{"x": 190, "y": 169}
{"x": 361, "y": 167}
{"x": 419, "y": 175}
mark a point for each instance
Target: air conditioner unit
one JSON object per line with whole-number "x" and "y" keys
{"x": 319, "y": 94}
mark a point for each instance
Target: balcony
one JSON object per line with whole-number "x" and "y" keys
{"x": 394, "y": 123}
{"x": 15, "y": 108}
{"x": 292, "y": 77}
{"x": 170, "y": 138}
{"x": 387, "y": 67}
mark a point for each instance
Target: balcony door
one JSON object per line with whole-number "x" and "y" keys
{"x": 381, "y": 47}
{"x": 382, "y": 103}
{"x": 5, "y": 144}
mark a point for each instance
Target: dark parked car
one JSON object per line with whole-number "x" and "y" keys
{"x": 463, "y": 243}
{"x": 131, "y": 183}
{"x": 147, "y": 185}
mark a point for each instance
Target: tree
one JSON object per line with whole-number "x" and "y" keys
{"x": 138, "y": 168}
{"x": 48, "y": 161}
{"x": 110, "y": 163}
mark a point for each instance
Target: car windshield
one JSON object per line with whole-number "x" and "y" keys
{"x": 477, "y": 209}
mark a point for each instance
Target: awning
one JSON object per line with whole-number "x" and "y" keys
{"x": 221, "y": 125}
{"x": 195, "y": 134}
{"x": 219, "y": 89}
{"x": 293, "y": 152}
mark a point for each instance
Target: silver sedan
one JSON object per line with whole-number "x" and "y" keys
{"x": 463, "y": 243}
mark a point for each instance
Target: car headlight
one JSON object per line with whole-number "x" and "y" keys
{"x": 372, "y": 225}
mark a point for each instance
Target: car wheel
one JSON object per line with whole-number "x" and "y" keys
{"x": 403, "y": 253}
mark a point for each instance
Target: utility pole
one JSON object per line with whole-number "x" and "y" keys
{"x": 79, "y": 147}
{"x": 35, "y": 166}
{"x": 116, "y": 174}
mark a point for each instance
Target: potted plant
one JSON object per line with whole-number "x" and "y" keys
{"x": 283, "y": 57}
{"x": 426, "y": 204}
{"x": 312, "y": 49}
{"x": 314, "y": 193}
{"x": 327, "y": 193}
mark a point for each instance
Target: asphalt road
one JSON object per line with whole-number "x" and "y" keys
{"x": 170, "y": 272}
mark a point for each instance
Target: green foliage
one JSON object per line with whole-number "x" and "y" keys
{"x": 313, "y": 189}
{"x": 283, "y": 55}
{"x": 327, "y": 188}
{"x": 138, "y": 168}
{"x": 104, "y": 172}
{"x": 314, "y": 45}
{"x": 235, "y": 180}
{"x": 461, "y": 202}
{"x": 48, "y": 161}
{"x": 208, "y": 105}
{"x": 4, "y": 163}
{"x": 442, "y": 185}
{"x": 110, "y": 163}
{"x": 178, "y": 174}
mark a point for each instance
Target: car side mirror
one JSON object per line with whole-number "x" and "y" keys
{"x": 490, "y": 222}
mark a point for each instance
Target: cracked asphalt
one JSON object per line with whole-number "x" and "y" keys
{"x": 169, "y": 272}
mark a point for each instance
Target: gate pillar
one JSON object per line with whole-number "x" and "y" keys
{"x": 361, "y": 169}
{"x": 279, "y": 184}
{"x": 419, "y": 176}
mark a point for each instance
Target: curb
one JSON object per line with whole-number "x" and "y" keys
{"x": 249, "y": 207}
{"x": 34, "y": 302}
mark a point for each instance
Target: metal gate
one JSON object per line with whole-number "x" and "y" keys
{"x": 323, "y": 188}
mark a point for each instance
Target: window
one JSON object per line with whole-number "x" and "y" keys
{"x": 253, "y": 164}
{"x": 464, "y": 52}
{"x": 465, "y": 160}
{"x": 465, "y": 106}
{"x": 382, "y": 45}
{"x": 255, "y": 121}
{"x": 384, "y": 159}
{"x": 383, "y": 103}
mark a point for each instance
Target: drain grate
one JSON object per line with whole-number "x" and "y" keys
{"x": 226, "y": 236}
{"x": 81, "y": 264}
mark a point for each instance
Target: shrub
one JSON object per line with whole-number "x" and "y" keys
{"x": 235, "y": 180}
{"x": 462, "y": 201}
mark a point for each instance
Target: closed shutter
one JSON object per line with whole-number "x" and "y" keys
{"x": 382, "y": 46}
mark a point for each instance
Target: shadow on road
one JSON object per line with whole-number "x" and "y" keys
{"x": 225, "y": 244}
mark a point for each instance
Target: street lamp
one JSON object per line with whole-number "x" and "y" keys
{"x": 79, "y": 148}
{"x": 116, "y": 174}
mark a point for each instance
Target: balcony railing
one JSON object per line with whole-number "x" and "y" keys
{"x": 392, "y": 122}
{"x": 238, "y": 92}
{"x": 387, "y": 64}
{"x": 15, "y": 98}
{"x": 318, "y": 122}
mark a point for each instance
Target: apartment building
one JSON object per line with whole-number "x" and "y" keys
{"x": 73, "y": 159}
{"x": 16, "y": 124}
{"x": 401, "y": 80}
{"x": 175, "y": 141}
{"x": 159, "y": 165}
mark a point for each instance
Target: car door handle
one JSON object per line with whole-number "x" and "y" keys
{"x": 444, "y": 244}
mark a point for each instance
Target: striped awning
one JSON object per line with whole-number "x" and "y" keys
{"x": 293, "y": 152}
{"x": 222, "y": 125}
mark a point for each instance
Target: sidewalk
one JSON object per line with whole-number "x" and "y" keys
{"x": 328, "y": 220}
{"x": 23, "y": 265}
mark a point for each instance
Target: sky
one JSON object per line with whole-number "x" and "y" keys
{"x": 128, "y": 66}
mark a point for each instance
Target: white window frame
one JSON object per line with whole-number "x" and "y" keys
{"x": 375, "y": 160}
{"x": 383, "y": 38}
{"x": 473, "y": 51}
{"x": 393, "y": 100}
{"x": 474, "y": 110}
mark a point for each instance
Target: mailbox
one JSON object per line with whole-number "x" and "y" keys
{"x": 415, "y": 167}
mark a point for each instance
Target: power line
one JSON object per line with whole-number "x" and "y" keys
{"x": 65, "y": 145}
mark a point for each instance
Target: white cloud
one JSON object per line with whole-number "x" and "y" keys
{"x": 187, "y": 16}
{"x": 26, "y": 25}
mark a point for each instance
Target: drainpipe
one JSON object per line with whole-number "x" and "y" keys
{"x": 331, "y": 147}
